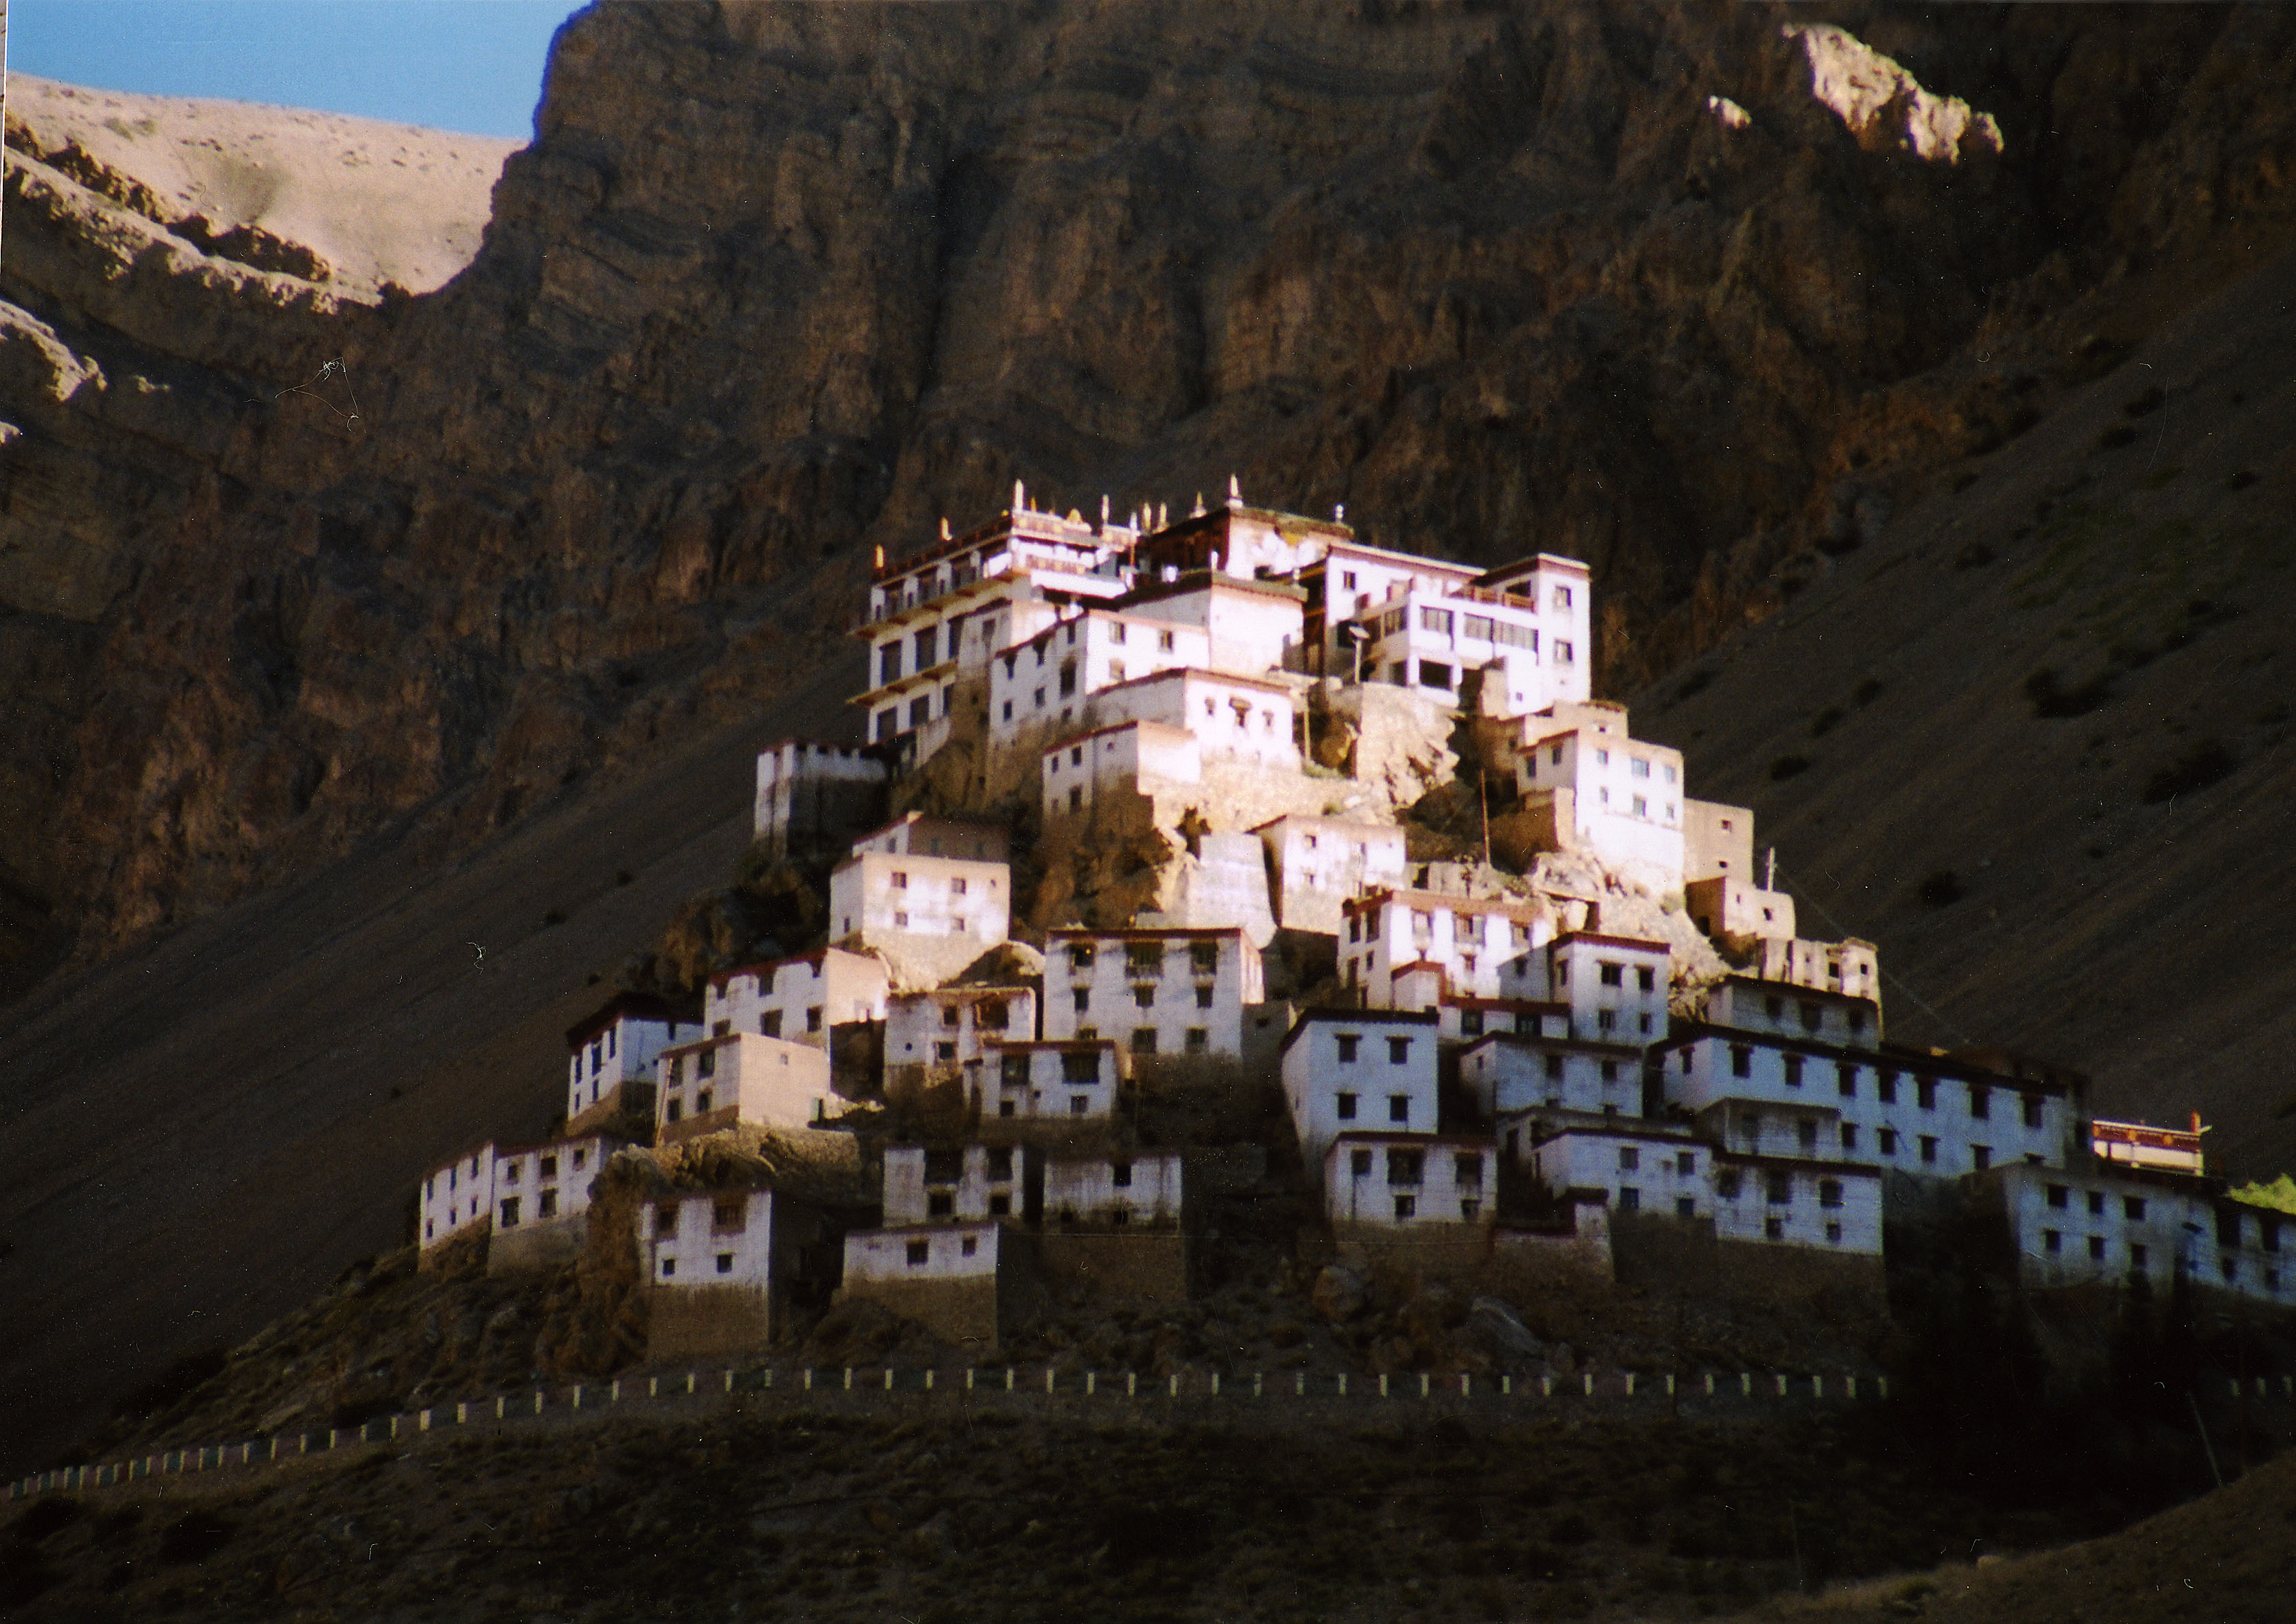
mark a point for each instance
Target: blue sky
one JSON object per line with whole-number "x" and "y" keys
{"x": 470, "y": 65}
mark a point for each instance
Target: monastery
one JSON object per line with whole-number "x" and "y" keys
{"x": 1141, "y": 811}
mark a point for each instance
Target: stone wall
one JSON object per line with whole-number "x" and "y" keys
{"x": 706, "y": 1321}
{"x": 538, "y": 1246}
{"x": 1683, "y": 1258}
{"x": 1149, "y": 1265}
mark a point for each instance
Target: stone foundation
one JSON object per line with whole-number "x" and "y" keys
{"x": 707, "y": 1321}
{"x": 1148, "y": 1265}
{"x": 538, "y": 1247}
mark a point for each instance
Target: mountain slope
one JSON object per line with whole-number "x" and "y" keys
{"x": 2067, "y": 685}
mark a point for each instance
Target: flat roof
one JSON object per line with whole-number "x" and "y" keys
{"x": 1566, "y": 1045}
{"x": 1440, "y": 899}
{"x": 1068, "y": 741}
{"x": 1684, "y": 1135}
{"x": 1170, "y": 672}
{"x": 1536, "y": 562}
{"x": 1207, "y": 579}
{"x": 1048, "y": 1043}
{"x": 1632, "y": 944}
{"x": 1796, "y": 990}
{"x": 632, "y": 1007}
{"x": 1323, "y": 821}
{"x": 1144, "y": 932}
{"x": 1909, "y": 1062}
{"x": 1327, "y": 1014}
{"x": 1366, "y": 1135}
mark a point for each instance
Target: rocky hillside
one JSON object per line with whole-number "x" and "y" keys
{"x": 1680, "y": 289}
{"x": 377, "y": 670}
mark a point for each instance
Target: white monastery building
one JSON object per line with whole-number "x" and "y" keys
{"x": 802, "y": 1000}
{"x": 1157, "y": 991}
{"x": 619, "y": 1046}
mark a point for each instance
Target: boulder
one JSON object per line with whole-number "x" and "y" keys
{"x": 1339, "y": 1293}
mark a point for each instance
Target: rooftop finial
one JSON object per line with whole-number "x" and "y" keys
{"x": 1020, "y": 497}
{"x": 1234, "y": 492}
{"x": 1338, "y": 513}
{"x": 944, "y": 526}
{"x": 1198, "y": 511}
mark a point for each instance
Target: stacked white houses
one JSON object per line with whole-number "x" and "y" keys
{"x": 1487, "y": 1056}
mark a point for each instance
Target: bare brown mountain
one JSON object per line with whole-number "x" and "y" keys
{"x": 1725, "y": 311}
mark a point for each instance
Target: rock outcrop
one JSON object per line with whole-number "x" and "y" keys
{"x": 280, "y": 567}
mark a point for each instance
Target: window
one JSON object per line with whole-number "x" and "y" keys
{"x": 705, "y": 1064}
{"x": 769, "y": 1024}
{"x": 1077, "y": 1066}
{"x": 1630, "y": 1200}
{"x": 1554, "y": 1068}
{"x": 701, "y": 1103}
{"x": 1793, "y": 1071}
{"x": 1471, "y": 1023}
{"x": 669, "y": 1267}
{"x": 1144, "y": 1040}
{"x": 676, "y": 1110}
{"x": 2053, "y": 1242}
{"x": 1000, "y": 1205}
{"x": 1405, "y": 1167}
{"x": 1774, "y": 1229}
{"x": 1164, "y": 641}
{"x": 1435, "y": 620}
{"x": 1829, "y": 1193}
{"x": 1561, "y": 652}
{"x": 1980, "y": 1102}
{"x": 920, "y": 1252}
{"x": 941, "y": 1203}
{"x": 665, "y": 1221}
{"x": 510, "y": 1172}
{"x": 1885, "y": 1088}
{"x": 1845, "y": 1080}
{"x": 1145, "y": 959}
{"x": 1079, "y": 1104}
{"x": 1434, "y": 674}
{"x": 1980, "y": 1156}
{"x": 1779, "y": 1189}
{"x": 1726, "y": 1184}
{"x": 1805, "y": 1130}
{"x": 1345, "y": 1107}
{"x": 1399, "y": 1051}
{"x": 1629, "y": 1159}
{"x": 1929, "y": 1150}
{"x": 812, "y": 1021}
{"x": 1833, "y": 1235}
{"x": 1741, "y": 1060}
{"x": 1359, "y": 1163}
{"x": 510, "y": 1212}
{"x": 1646, "y": 979}
{"x": 1610, "y": 1070}
{"x": 1925, "y": 1093}
{"x": 1774, "y": 1008}
{"x": 1638, "y": 766}
{"x": 2033, "y": 1110}
{"x": 1406, "y": 1207}
{"x": 1613, "y": 975}
{"x": 2137, "y": 1255}
{"x": 1145, "y": 997}
{"x": 1468, "y": 1170}
{"x": 1398, "y": 1108}
{"x": 1849, "y": 1135}
{"x": 2132, "y": 1208}
{"x": 1198, "y": 1041}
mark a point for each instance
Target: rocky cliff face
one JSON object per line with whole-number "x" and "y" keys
{"x": 1669, "y": 288}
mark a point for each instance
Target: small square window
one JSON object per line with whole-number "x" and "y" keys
{"x": 1345, "y": 1107}
{"x": 669, "y": 1267}
{"x": 725, "y": 1262}
{"x": 920, "y": 1252}
{"x": 969, "y": 1245}
{"x": 1399, "y": 1051}
{"x": 1398, "y": 1108}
